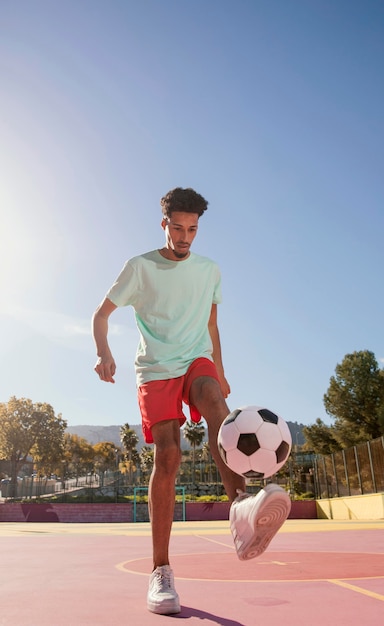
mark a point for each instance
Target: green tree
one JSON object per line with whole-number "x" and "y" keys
{"x": 355, "y": 398}
{"x": 106, "y": 456}
{"x": 185, "y": 466}
{"x": 30, "y": 429}
{"x": 206, "y": 456}
{"x": 194, "y": 434}
{"x": 79, "y": 456}
{"x": 146, "y": 461}
{"x": 49, "y": 433}
{"x": 320, "y": 438}
{"x": 129, "y": 439}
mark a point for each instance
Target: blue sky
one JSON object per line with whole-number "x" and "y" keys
{"x": 271, "y": 109}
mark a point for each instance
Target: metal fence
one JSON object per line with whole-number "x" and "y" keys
{"x": 354, "y": 471}
{"x": 34, "y": 487}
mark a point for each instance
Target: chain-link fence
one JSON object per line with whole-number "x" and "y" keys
{"x": 354, "y": 471}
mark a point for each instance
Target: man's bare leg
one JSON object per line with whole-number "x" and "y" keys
{"x": 206, "y": 396}
{"x": 254, "y": 520}
{"x": 162, "y": 597}
{"x": 161, "y": 493}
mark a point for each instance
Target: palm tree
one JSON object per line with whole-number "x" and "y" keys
{"x": 146, "y": 460}
{"x": 185, "y": 466}
{"x": 194, "y": 434}
{"x": 129, "y": 439}
{"x": 207, "y": 458}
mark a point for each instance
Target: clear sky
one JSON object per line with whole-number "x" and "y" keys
{"x": 271, "y": 109}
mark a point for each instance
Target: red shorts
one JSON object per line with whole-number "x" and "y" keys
{"x": 161, "y": 400}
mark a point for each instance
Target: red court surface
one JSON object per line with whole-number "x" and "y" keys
{"x": 314, "y": 572}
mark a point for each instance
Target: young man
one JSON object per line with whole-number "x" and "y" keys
{"x": 174, "y": 294}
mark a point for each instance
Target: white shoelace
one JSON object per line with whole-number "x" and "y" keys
{"x": 241, "y": 494}
{"x": 163, "y": 581}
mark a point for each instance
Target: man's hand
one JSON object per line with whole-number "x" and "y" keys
{"x": 224, "y": 384}
{"x": 106, "y": 368}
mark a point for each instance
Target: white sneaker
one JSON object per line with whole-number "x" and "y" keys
{"x": 255, "y": 520}
{"x": 162, "y": 597}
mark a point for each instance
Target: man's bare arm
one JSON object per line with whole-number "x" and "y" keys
{"x": 105, "y": 365}
{"x": 216, "y": 354}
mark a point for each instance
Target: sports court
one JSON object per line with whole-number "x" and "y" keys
{"x": 314, "y": 572}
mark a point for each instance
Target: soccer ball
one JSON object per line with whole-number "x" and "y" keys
{"x": 254, "y": 442}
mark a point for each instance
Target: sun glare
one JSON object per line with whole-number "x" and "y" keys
{"x": 17, "y": 251}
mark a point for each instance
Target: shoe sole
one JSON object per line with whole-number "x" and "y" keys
{"x": 167, "y": 607}
{"x": 164, "y": 607}
{"x": 270, "y": 517}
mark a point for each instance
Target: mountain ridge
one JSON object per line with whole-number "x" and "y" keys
{"x": 95, "y": 434}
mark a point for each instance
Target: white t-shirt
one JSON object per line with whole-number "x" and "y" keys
{"x": 172, "y": 302}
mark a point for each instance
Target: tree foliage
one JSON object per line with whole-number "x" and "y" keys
{"x": 106, "y": 456}
{"x": 30, "y": 429}
{"x": 194, "y": 434}
{"x": 206, "y": 456}
{"x": 129, "y": 439}
{"x": 320, "y": 438}
{"x": 78, "y": 458}
{"x": 355, "y": 400}
{"x": 146, "y": 461}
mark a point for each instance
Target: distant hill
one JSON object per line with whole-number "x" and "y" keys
{"x": 95, "y": 434}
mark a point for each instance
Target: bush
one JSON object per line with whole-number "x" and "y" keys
{"x": 308, "y": 495}
{"x": 89, "y": 498}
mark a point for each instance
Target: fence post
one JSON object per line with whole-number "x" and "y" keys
{"x": 335, "y": 474}
{"x": 325, "y": 476}
{"x": 371, "y": 466}
{"x": 358, "y": 470}
{"x": 183, "y": 501}
{"x": 317, "y": 478}
{"x": 346, "y": 472}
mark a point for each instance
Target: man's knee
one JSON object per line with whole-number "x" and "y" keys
{"x": 167, "y": 457}
{"x": 206, "y": 389}
{"x": 167, "y": 453}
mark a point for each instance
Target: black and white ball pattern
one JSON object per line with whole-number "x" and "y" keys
{"x": 254, "y": 442}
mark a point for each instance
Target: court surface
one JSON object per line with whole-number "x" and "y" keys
{"x": 314, "y": 572}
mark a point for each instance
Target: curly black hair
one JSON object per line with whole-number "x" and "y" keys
{"x": 185, "y": 200}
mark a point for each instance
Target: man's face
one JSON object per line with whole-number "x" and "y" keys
{"x": 180, "y": 230}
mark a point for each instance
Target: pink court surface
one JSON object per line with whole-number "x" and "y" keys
{"x": 314, "y": 572}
